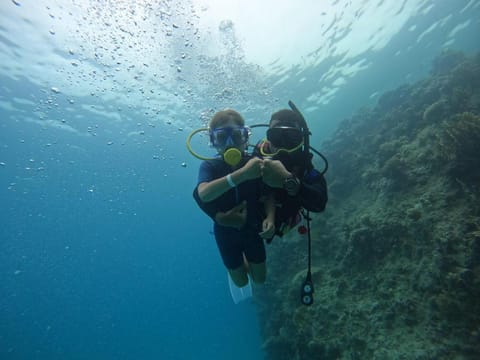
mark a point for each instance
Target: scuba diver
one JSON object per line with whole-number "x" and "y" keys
{"x": 229, "y": 189}
{"x": 288, "y": 169}
{"x": 286, "y": 185}
{"x": 298, "y": 187}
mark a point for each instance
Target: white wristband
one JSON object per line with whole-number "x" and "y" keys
{"x": 230, "y": 181}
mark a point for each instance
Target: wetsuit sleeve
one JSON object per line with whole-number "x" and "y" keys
{"x": 206, "y": 173}
{"x": 313, "y": 193}
{"x": 208, "y": 208}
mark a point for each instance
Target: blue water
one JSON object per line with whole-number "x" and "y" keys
{"x": 103, "y": 252}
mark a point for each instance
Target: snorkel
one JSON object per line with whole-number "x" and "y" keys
{"x": 304, "y": 127}
{"x": 306, "y": 138}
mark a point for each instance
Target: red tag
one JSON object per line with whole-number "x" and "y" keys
{"x": 302, "y": 230}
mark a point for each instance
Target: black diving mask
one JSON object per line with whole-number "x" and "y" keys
{"x": 282, "y": 140}
{"x": 285, "y": 137}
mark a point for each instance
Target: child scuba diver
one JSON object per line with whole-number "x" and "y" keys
{"x": 229, "y": 190}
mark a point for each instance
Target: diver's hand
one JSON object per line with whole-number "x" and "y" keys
{"x": 268, "y": 228}
{"x": 252, "y": 169}
{"x": 235, "y": 217}
{"x": 274, "y": 173}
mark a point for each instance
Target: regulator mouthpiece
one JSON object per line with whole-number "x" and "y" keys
{"x": 232, "y": 156}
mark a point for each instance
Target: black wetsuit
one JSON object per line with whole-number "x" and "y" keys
{"x": 231, "y": 242}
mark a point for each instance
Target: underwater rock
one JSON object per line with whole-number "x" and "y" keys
{"x": 414, "y": 213}
{"x": 459, "y": 143}
{"x": 446, "y": 62}
{"x": 436, "y": 111}
{"x": 397, "y": 251}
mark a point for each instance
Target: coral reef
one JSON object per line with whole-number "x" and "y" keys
{"x": 396, "y": 254}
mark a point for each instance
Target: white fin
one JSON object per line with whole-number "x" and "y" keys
{"x": 239, "y": 293}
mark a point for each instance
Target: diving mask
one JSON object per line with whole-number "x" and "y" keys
{"x": 282, "y": 139}
{"x": 285, "y": 137}
{"x": 229, "y": 136}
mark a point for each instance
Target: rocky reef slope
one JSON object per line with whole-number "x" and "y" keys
{"x": 396, "y": 256}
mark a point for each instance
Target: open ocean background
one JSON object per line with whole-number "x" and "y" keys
{"x": 103, "y": 252}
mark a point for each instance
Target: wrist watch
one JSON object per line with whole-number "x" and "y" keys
{"x": 291, "y": 184}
